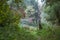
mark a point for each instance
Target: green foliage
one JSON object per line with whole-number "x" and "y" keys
{"x": 53, "y": 12}
{"x": 7, "y": 17}
{"x": 57, "y": 33}
{"x": 17, "y": 1}
{"x": 9, "y": 21}
{"x": 49, "y": 33}
{"x": 50, "y": 2}
{"x": 15, "y": 33}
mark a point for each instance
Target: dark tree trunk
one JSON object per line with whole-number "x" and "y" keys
{"x": 58, "y": 16}
{"x": 40, "y": 26}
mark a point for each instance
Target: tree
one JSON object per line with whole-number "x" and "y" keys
{"x": 9, "y": 21}
{"x": 36, "y": 13}
{"x": 52, "y": 8}
{"x": 19, "y": 6}
{"x": 6, "y": 14}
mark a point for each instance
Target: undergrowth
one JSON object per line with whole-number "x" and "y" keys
{"x": 18, "y": 33}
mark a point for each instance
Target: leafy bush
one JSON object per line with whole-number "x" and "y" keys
{"x": 15, "y": 33}
{"x": 53, "y": 12}
{"x": 9, "y": 21}
{"x": 49, "y": 33}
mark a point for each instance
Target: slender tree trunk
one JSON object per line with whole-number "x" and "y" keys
{"x": 40, "y": 26}
{"x": 39, "y": 21}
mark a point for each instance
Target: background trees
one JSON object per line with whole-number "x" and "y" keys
{"x": 10, "y": 15}
{"x": 35, "y": 12}
{"x": 7, "y": 16}
{"x": 53, "y": 10}
{"x": 9, "y": 21}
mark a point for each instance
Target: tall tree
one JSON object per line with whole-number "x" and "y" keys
{"x": 37, "y": 13}
{"x": 6, "y": 14}
{"x": 53, "y": 10}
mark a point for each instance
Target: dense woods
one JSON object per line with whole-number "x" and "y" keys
{"x": 52, "y": 9}
{"x": 29, "y": 19}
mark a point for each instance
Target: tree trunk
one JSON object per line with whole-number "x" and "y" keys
{"x": 40, "y": 27}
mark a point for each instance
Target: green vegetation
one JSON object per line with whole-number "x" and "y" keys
{"x": 52, "y": 8}
{"x": 15, "y": 33}
{"x": 49, "y": 33}
{"x": 10, "y": 19}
